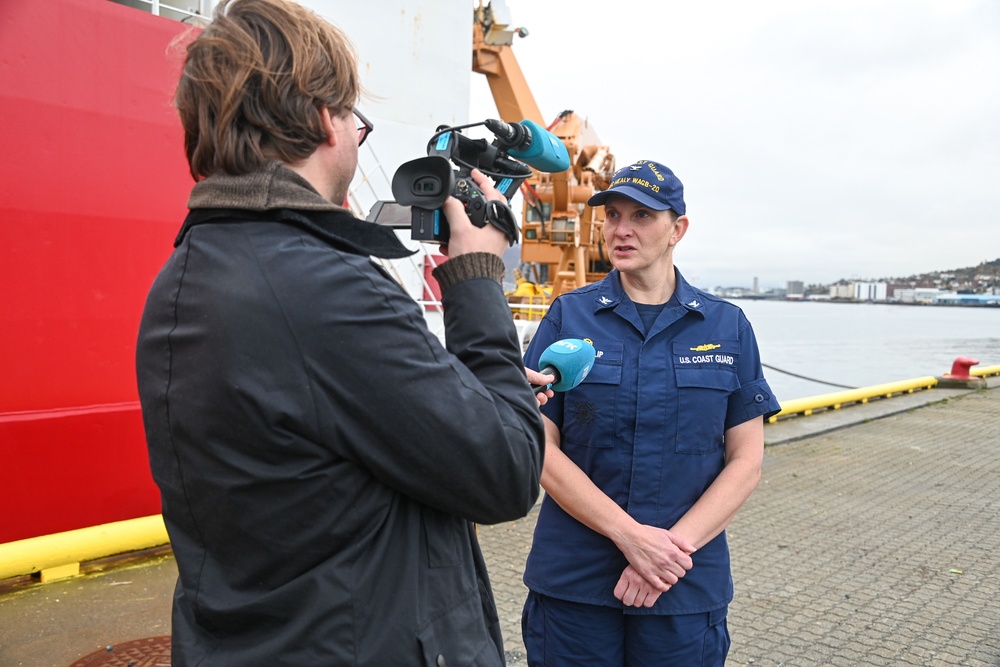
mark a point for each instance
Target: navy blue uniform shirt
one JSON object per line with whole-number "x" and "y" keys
{"x": 647, "y": 426}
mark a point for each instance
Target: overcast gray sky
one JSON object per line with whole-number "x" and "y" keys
{"x": 815, "y": 140}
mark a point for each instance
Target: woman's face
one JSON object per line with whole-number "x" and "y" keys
{"x": 638, "y": 238}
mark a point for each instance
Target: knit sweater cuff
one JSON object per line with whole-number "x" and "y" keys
{"x": 468, "y": 267}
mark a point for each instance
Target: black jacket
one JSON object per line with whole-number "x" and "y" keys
{"x": 321, "y": 457}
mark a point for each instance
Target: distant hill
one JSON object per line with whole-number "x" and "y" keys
{"x": 975, "y": 279}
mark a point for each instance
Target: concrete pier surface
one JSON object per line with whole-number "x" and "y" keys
{"x": 873, "y": 539}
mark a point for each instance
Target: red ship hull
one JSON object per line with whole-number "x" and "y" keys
{"x": 94, "y": 185}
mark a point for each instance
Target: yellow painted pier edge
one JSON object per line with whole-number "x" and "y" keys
{"x": 59, "y": 555}
{"x": 838, "y": 399}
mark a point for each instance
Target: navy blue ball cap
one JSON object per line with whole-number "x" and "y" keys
{"x": 648, "y": 183}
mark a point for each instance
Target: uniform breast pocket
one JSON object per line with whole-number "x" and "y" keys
{"x": 589, "y": 411}
{"x": 703, "y": 390}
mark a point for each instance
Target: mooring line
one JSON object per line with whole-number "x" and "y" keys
{"x": 805, "y": 377}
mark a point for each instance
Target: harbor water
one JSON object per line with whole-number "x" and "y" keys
{"x": 863, "y": 344}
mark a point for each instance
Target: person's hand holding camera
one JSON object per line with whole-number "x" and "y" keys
{"x": 465, "y": 236}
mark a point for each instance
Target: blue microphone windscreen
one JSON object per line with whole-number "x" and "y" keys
{"x": 546, "y": 152}
{"x": 572, "y": 357}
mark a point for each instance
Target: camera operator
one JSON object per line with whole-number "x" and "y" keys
{"x": 320, "y": 456}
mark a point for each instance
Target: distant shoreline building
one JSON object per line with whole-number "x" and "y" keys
{"x": 795, "y": 289}
{"x": 952, "y": 298}
{"x": 870, "y": 291}
{"x": 917, "y": 295}
{"x": 842, "y": 291}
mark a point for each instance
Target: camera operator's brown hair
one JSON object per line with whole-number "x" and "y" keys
{"x": 253, "y": 84}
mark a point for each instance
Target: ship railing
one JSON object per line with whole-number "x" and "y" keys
{"x": 528, "y": 307}
{"x": 202, "y": 12}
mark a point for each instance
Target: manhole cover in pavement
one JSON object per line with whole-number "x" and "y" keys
{"x": 149, "y": 652}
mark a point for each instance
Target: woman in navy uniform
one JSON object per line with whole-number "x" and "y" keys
{"x": 648, "y": 460}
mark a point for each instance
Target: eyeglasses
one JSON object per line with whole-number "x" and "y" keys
{"x": 365, "y": 128}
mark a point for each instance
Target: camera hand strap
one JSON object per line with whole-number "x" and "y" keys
{"x": 499, "y": 215}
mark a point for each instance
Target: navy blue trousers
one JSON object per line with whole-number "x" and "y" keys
{"x": 558, "y": 633}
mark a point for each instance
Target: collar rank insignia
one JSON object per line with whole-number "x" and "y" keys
{"x": 604, "y": 300}
{"x": 694, "y": 303}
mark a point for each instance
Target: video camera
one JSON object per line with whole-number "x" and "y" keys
{"x": 424, "y": 184}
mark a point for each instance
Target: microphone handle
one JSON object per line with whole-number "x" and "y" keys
{"x": 548, "y": 370}
{"x": 511, "y": 135}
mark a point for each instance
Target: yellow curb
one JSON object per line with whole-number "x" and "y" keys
{"x": 57, "y": 555}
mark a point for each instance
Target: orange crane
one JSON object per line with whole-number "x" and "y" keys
{"x": 561, "y": 235}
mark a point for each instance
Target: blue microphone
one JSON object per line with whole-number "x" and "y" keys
{"x": 532, "y": 144}
{"x": 569, "y": 360}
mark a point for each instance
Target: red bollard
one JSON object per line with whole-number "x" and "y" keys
{"x": 960, "y": 368}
